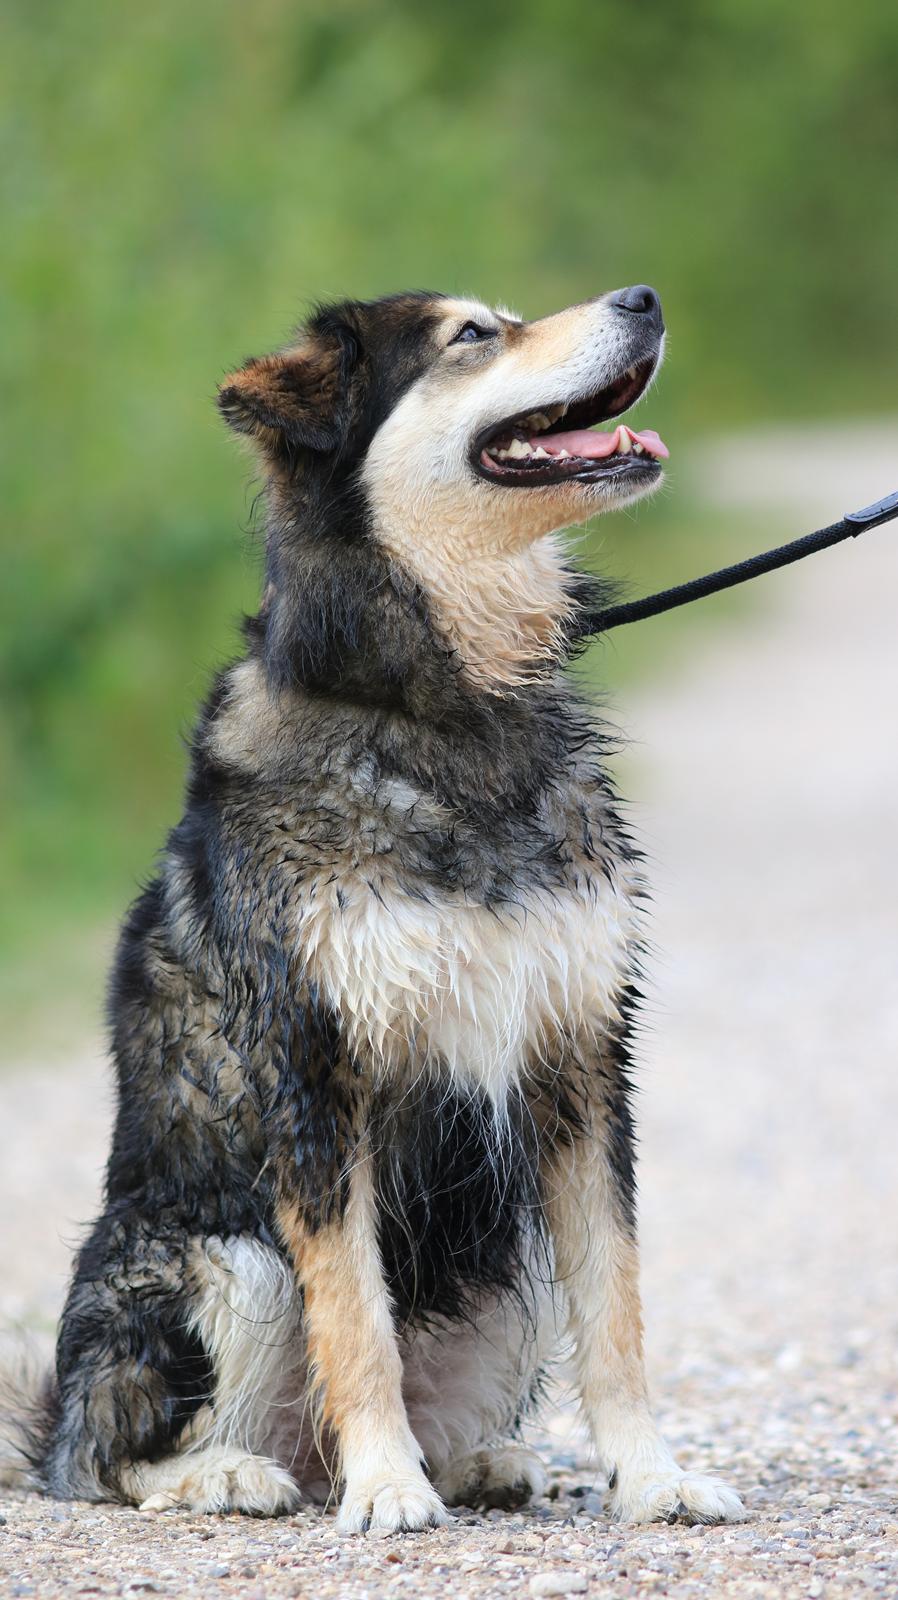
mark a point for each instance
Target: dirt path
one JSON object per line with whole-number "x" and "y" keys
{"x": 767, "y": 776}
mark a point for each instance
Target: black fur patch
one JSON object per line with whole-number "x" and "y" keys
{"x": 314, "y": 1123}
{"x": 459, "y": 1200}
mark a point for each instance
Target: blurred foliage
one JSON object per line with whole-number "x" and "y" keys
{"x": 180, "y": 180}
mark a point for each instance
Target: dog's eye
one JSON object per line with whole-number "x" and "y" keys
{"x": 472, "y": 331}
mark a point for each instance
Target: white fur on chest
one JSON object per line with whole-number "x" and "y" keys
{"x": 436, "y": 981}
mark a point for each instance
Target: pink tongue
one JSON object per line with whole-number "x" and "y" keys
{"x": 591, "y": 446}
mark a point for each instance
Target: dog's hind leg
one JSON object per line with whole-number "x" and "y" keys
{"x": 355, "y": 1363}
{"x": 589, "y": 1198}
{"x": 156, "y": 1403}
{"x": 233, "y": 1455}
{"x": 468, "y": 1387}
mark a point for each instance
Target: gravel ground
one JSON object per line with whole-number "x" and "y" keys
{"x": 766, "y": 774}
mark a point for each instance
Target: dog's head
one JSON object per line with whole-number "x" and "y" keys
{"x": 460, "y": 436}
{"x": 424, "y": 393}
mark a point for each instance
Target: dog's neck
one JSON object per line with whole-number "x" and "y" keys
{"x": 502, "y": 610}
{"x": 369, "y": 602}
{"x": 504, "y": 614}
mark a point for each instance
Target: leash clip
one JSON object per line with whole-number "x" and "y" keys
{"x": 881, "y": 510}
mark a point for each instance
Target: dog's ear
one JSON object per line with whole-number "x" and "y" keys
{"x": 297, "y": 398}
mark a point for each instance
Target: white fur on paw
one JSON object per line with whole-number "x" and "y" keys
{"x": 227, "y": 1481}
{"x": 503, "y": 1477}
{"x": 159, "y": 1502}
{"x": 674, "y": 1497}
{"x": 399, "y": 1505}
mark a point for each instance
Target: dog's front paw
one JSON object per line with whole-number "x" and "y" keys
{"x": 674, "y": 1497}
{"x": 398, "y": 1505}
{"x": 502, "y": 1477}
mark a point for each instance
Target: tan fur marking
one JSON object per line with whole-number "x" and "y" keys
{"x": 597, "y": 1266}
{"x": 354, "y": 1363}
{"x": 503, "y": 613}
{"x": 293, "y": 386}
{"x": 247, "y": 727}
{"x": 597, "y": 1262}
{"x": 351, "y": 1344}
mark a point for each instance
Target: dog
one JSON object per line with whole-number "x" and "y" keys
{"x": 372, "y": 1020}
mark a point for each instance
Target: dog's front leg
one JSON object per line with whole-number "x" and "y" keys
{"x": 354, "y": 1362}
{"x": 589, "y": 1199}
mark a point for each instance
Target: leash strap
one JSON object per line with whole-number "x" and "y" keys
{"x": 651, "y": 605}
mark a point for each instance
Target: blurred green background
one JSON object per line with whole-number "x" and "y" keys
{"x": 179, "y": 181}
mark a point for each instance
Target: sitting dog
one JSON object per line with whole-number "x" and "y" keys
{"x": 373, "y": 1150}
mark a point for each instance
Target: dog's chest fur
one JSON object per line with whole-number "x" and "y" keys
{"x": 423, "y": 971}
{"x": 444, "y": 935}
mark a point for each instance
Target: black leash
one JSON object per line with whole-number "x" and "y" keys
{"x": 853, "y": 523}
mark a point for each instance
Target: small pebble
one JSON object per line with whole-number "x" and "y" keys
{"x": 549, "y": 1583}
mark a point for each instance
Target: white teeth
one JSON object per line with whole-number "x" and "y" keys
{"x": 638, "y": 449}
{"x": 624, "y": 442}
{"x": 631, "y": 372}
{"x": 521, "y": 450}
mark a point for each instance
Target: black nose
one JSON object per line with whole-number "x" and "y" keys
{"x": 641, "y": 300}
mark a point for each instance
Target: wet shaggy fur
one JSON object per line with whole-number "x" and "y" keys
{"x": 322, "y": 1201}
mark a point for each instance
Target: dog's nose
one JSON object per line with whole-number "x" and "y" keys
{"x": 641, "y": 300}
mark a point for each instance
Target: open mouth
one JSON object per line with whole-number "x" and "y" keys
{"x": 559, "y": 442}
